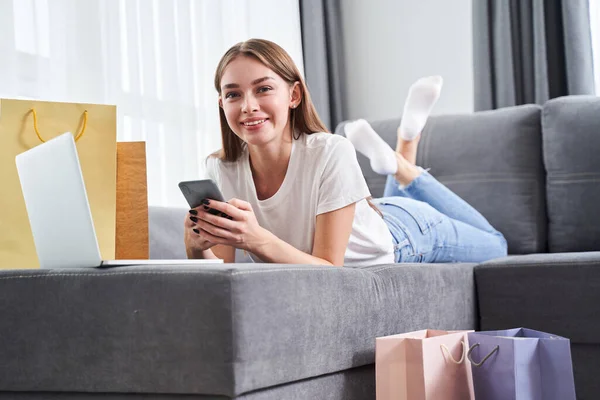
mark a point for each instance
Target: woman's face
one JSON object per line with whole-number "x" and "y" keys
{"x": 256, "y": 101}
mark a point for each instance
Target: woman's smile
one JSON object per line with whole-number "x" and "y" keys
{"x": 254, "y": 124}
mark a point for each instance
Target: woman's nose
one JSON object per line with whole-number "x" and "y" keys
{"x": 249, "y": 104}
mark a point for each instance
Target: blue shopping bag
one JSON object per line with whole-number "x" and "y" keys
{"x": 521, "y": 364}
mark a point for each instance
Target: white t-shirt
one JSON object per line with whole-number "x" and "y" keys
{"x": 323, "y": 175}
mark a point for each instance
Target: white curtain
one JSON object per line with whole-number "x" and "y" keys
{"x": 595, "y": 26}
{"x": 154, "y": 59}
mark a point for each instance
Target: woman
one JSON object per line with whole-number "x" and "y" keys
{"x": 297, "y": 192}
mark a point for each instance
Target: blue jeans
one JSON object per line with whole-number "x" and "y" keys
{"x": 431, "y": 224}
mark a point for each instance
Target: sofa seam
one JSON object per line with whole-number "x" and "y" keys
{"x": 199, "y": 273}
{"x": 513, "y": 174}
{"x": 241, "y": 272}
{"x": 488, "y": 180}
{"x": 381, "y": 269}
{"x": 51, "y": 275}
{"x": 233, "y": 273}
{"x": 234, "y": 354}
{"x": 570, "y": 263}
{"x": 572, "y": 174}
{"x": 571, "y": 181}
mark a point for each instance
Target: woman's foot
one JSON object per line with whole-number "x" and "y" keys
{"x": 422, "y": 96}
{"x": 384, "y": 160}
{"x": 368, "y": 142}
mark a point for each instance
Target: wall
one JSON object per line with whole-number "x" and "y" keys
{"x": 390, "y": 43}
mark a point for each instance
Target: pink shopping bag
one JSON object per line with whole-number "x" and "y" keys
{"x": 423, "y": 365}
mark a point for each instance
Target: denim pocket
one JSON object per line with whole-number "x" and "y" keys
{"x": 425, "y": 216}
{"x": 404, "y": 244}
{"x": 406, "y": 254}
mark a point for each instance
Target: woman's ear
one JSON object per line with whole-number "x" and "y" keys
{"x": 295, "y": 94}
{"x": 220, "y": 101}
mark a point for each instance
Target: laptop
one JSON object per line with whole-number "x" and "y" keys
{"x": 59, "y": 211}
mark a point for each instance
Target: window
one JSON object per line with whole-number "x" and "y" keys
{"x": 154, "y": 59}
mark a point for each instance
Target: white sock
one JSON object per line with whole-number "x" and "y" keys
{"x": 368, "y": 142}
{"x": 422, "y": 96}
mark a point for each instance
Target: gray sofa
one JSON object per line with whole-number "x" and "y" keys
{"x": 266, "y": 332}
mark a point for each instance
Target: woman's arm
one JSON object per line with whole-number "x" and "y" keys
{"x": 332, "y": 232}
{"x": 225, "y": 253}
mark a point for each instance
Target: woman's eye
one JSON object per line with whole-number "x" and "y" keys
{"x": 264, "y": 89}
{"x": 230, "y": 95}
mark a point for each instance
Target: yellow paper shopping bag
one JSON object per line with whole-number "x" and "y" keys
{"x": 25, "y": 124}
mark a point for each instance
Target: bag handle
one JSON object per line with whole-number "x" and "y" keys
{"x": 479, "y": 364}
{"x": 445, "y": 350}
{"x": 37, "y": 132}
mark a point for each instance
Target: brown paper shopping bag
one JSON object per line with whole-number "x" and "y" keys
{"x": 423, "y": 365}
{"x": 24, "y": 124}
{"x": 132, "y": 202}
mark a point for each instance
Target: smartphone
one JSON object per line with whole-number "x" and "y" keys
{"x": 196, "y": 191}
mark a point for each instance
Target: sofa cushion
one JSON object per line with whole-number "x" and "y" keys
{"x": 493, "y": 160}
{"x": 216, "y": 329}
{"x": 165, "y": 225}
{"x": 571, "y": 133}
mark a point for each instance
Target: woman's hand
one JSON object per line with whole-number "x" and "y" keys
{"x": 235, "y": 225}
{"x": 194, "y": 243}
